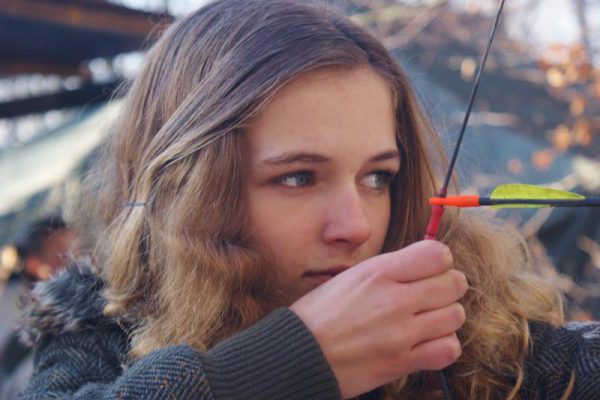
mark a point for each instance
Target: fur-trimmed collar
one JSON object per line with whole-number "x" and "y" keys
{"x": 69, "y": 301}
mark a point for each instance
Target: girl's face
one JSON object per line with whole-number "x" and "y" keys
{"x": 320, "y": 160}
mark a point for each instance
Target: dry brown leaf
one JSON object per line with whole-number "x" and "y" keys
{"x": 562, "y": 138}
{"x": 555, "y": 78}
{"x": 543, "y": 159}
{"x": 557, "y": 53}
{"x": 571, "y": 72}
{"x": 578, "y": 105}
{"x": 586, "y": 71}
{"x": 468, "y": 66}
{"x": 519, "y": 46}
{"x": 578, "y": 53}
{"x": 473, "y": 7}
{"x": 583, "y": 132}
{"x": 544, "y": 65}
{"x": 514, "y": 166}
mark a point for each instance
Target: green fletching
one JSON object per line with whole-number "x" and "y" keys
{"x": 523, "y": 191}
{"x": 530, "y": 192}
{"x": 520, "y": 206}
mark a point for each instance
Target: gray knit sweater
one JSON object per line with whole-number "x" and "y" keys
{"x": 82, "y": 355}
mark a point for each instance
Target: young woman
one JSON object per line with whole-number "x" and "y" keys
{"x": 257, "y": 218}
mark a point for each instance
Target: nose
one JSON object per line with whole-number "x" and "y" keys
{"x": 347, "y": 222}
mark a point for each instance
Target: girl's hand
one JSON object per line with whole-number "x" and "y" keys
{"x": 389, "y": 316}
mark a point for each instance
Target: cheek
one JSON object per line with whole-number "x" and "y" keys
{"x": 280, "y": 228}
{"x": 379, "y": 215}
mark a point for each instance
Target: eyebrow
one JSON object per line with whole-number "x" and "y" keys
{"x": 294, "y": 157}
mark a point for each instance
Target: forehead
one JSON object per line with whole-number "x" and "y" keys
{"x": 330, "y": 109}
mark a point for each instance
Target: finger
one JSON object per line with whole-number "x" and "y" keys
{"x": 437, "y": 291}
{"x": 440, "y": 322}
{"x": 435, "y": 354}
{"x": 417, "y": 261}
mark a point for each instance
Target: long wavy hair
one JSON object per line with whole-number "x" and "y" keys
{"x": 181, "y": 267}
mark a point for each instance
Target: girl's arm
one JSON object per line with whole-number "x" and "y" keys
{"x": 79, "y": 353}
{"x": 276, "y": 359}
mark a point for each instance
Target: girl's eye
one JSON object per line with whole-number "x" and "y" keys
{"x": 296, "y": 179}
{"x": 378, "y": 180}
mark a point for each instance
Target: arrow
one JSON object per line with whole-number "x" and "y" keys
{"x": 517, "y": 195}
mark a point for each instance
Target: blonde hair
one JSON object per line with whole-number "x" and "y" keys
{"x": 183, "y": 267}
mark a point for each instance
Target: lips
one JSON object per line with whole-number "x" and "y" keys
{"x": 325, "y": 274}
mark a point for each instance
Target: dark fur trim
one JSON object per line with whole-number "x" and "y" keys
{"x": 70, "y": 301}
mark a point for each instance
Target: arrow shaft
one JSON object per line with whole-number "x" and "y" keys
{"x": 588, "y": 202}
{"x": 466, "y": 201}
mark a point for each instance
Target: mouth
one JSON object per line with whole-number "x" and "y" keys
{"x": 325, "y": 274}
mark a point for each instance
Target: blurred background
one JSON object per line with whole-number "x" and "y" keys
{"x": 536, "y": 119}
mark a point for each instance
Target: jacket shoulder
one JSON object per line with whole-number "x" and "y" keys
{"x": 70, "y": 301}
{"x": 564, "y": 359}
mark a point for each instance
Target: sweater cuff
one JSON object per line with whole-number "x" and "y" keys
{"x": 277, "y": 358}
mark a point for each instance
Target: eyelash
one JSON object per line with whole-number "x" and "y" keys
{"x": 387, "y": 175}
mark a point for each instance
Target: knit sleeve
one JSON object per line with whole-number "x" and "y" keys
{"x": 564, "y": 360}
{"x": 278, "y": 358}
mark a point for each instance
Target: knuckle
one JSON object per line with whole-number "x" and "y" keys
{"x": 433, "y": 249}
{"x": 459, "y": 315}
{"x": 373, "y": 277}
{"x": 400, "y": 299}
{"x": 411, "y": 298}
{"x": 382, "y": 351}
{"x": 380, "y": 274}
{"x": 443, "y": 254}
{"x": 455, "y": 349}
{"x": 389, "y": 368}
{"x": 391, "y": 352}
{"x": 460, "y": 282}
{"x": 450, "y": 353}
{"x": 394, "y": 354}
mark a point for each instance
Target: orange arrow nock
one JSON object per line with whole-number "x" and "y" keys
{"x": 455, "y": 201}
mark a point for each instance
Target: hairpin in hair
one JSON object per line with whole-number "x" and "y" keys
{"x": 135, "y": 204}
